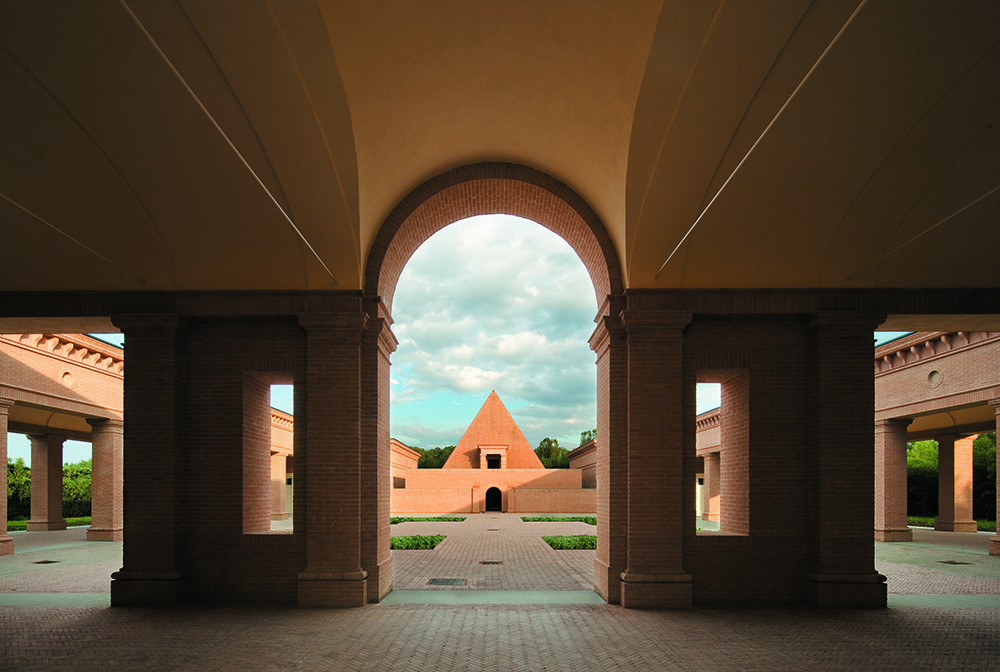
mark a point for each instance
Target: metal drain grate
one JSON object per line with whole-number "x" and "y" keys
{"x": 447, "y": 582}
{"x": 955, "y": 562}
{"x": 491, "y": 562}
{"x": 45, "y": 562}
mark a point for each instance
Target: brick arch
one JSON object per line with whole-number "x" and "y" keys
{"x": 490, "y": 189}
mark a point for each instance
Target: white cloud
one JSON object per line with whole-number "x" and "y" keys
{"x": 493, "y": 303}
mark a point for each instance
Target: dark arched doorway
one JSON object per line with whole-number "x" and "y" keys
{"x": 494, "y": 500}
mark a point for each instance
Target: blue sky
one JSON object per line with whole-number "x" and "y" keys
{"x": 488, "y": 303}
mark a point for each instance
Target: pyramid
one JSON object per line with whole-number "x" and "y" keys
{"x": 493, "y": 426}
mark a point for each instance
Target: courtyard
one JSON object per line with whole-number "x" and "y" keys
{"x": 532, "y": 612}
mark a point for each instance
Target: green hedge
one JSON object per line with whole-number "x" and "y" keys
{"x": 432, "y": 519}
{"x": 576, "y": 542}
{"x": 416, "y": 542}
{"x": 590, "y": 520}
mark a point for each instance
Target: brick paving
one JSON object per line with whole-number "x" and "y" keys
{"x": 501, "y": 637}
{"x": 528, "y": 563}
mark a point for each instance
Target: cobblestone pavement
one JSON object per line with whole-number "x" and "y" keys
{"x": 505, "y": 637}
{"x": 526, "y": 562}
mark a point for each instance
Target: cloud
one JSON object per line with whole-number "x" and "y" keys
{"x": 493, "y": 303}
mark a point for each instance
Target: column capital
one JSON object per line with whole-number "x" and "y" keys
{"x": 345, "y": 322}
{"x": 138, "y": 322}
{"x": 6, "y": 403}
{"x": 655, "y": 325}
{"x": 900, "y": 423}
{"x": 832, "y": 319}
{"x": 377, "y": 331}
{"x": 107, "y": 424}
{"x": 609, "y": 329}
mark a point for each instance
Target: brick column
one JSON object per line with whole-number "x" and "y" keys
{"x": 6, "y": 541}
{"x": 376, "y": 460}
{"x": 46, "y": 483}
{"x": 890, "y": 480}
{"x": 995, "y": 539}
{"x": 279, "y": 499}
{"x": 712, "y": 481}
{"x": 609, "y": 344}
{"x": 841, "y": 557}
{"x": 106, "y": 482}
{"x": 152, "y": 570}
{"x": 955, "y": 485}
{"x": 334, "y": 576}
{"x": 655, "y": 575}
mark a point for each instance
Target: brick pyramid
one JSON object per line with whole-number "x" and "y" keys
{"x": 493, "y": 426}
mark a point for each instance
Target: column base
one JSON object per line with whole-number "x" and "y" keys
{"x": 148, "y": 589}
{"x": 606, "y": 583}
{"x": 995, "y": 545}
{"x": 898, "y": 534}
{"x": 956, "y": 525}
{"x": 656, "y": 591}
{"x": 45, "y": 525}
{"x": 280, "y": 516}
{"x": 855, "y": 591}
{"x": 6, "y": 544}
{"x": 104, "y": 534}
{"x": 333, "y": 589}
{"x": 380, "y": 581}
{"x": 710, "y": 516}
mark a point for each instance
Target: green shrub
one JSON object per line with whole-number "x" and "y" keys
{"x": 576, "y": 542}
{"x": 590, "y": 520}
{"x": 416, "y": 542}
{"x": 921, "y": 521}
{"x": 432, "y": 519}
{"x": 986, "y": 525}
{"x": 21, "y": 525}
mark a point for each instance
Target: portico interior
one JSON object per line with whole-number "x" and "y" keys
{"x": 237, "y": 185}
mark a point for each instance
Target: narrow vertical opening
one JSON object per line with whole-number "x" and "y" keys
{"x": 723, "y": 444}
{"x": 268, "y": 441}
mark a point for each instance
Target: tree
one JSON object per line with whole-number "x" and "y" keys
{"x": 984, "y": 477}
{"x": 552, "y": 455}
{"x": 434, "y": 458}
{"x": 18, "y": 490}
{"x": 922, "y": 478}
{"x": 589, "y": 435}
{"x": 76, "y": 489}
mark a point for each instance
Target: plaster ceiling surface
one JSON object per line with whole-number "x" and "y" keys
{"x": 248, "y": 144}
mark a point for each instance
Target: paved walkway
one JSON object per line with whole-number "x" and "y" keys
{"x": 923, "y": 630}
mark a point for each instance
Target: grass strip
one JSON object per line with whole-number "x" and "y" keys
{"x": 590, "y": 520}
{"x": 432, "y": 519}
{"x": 576, "y": 542}
{"x": 416, "y": 542}
{"x": 924, "y": 521}
{"x": 22, "y": 525}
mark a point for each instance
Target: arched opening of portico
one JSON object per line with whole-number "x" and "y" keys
{"x": 481, "y": 189}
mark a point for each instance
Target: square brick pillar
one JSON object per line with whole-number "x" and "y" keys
{"x": 955, "y": 485}
{"x": 279, "y": 489}
{"x": 6, "y": 541}
{"x": 334, "y": 576}
{"x": 609, "y": 344}
{"x": 713, "y": 479}
{"x": 890, "y": 480}
{"x": 46, "y": 483}
{"x": 106, "y": 523}
{"x": 995, "y": 539}
{"x": 152, "y": 570}
{"x": 841, "y": 557}
{"x": 376, "y": 462}
{"x": 655, "y": 576}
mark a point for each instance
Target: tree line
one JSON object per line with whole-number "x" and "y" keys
{"x": 76, "y": 489}
{"x": 552, "y": 455}
{"x": 922, "y": 478}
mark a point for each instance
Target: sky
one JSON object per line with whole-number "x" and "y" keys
{"x": 488, "y": 303}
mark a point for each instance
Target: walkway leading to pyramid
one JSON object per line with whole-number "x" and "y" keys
{"x": 492, "y": 552}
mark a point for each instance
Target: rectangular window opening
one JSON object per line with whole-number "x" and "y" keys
{"x": 722, "y": 488}
{"x": 268, "y": 452}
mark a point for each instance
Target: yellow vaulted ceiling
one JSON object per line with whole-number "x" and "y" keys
{"x": 245, "y": 144}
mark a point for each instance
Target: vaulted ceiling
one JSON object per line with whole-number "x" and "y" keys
{"x": 247, "y": 144}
